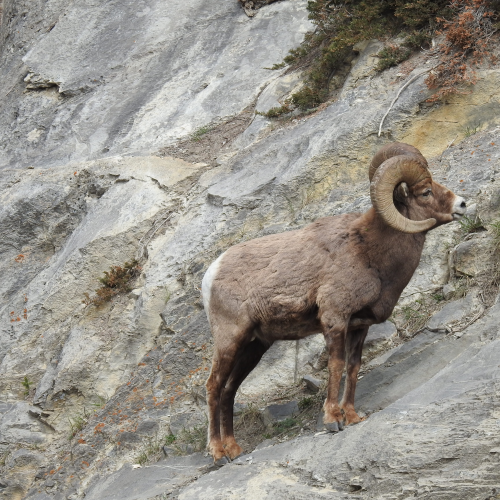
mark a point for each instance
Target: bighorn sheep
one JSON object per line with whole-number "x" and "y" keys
{"x": 338, "y": 275}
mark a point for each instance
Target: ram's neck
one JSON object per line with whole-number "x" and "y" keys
{"x": 393, "y": 253}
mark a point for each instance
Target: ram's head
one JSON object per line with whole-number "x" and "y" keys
{"x": 404, "y": 194}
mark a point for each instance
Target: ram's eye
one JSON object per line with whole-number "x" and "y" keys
{"x": 427, "y": 192}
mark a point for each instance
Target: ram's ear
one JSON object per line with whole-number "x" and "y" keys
{"x": 401, "y": 193}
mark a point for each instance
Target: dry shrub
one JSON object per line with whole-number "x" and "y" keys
{"x": 466, "y": 43}
{"x": 116, "y": 281}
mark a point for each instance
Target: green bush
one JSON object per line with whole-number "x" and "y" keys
{"x": 340, "y": 24}
{"x": 308, "y": 97}
{"x": 392, "y": 56}
{"x": 418, "y": 40}
{"x": 277, "y": 111}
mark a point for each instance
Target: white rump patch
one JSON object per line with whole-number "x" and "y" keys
{"x": 206, "y": 283}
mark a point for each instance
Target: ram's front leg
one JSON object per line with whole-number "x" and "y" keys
{"x": 335, "y": 343}
{"x": 355, "y": 340}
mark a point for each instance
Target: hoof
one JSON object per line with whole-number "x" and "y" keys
{"x": 236, "y": 455}
{"x": 221, "y": 461}
{"x": 352, "y": 418}
{"x": 354, "y": 422}
{"x": 233, "y": 449}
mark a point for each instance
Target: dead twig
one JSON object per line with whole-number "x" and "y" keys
{"x": 414, "y": 77}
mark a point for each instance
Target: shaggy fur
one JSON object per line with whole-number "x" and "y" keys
{"x": 338, "y": 276}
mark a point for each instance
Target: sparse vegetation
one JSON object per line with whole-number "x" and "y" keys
{"x": 285, "y": 425}
{"x": 494, "y": 228}
{"x": 418, "y": 40}
{"x": 306, "y": 402}
{"x": 411, "y": 318}
{"x": 3, "y": 458}
{"x": 250, "y": 421}
{"x": 199, "y": 133}
{"x": 250, "y": 428}
{"x": 100, "y": 403}
{"x": 169, "y": 439}
{"x": 471, "y": 224}
{"x": 77, "y": 423}
{"x": 274, "y": 67}
{"x": 472, "y": 129}
{"x": 415, "y": 316}
{"x": 462, "y": 285}
{"x": 151, "y": 451}
{"x": 438, "y": 297}
{"x": 26, "y": 384}
{"x": 114, "y": 282}
{"x": 189, "y": 440}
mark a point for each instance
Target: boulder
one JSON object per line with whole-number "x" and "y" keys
{"x": 312, "y": 383}
{"x": 451, "y": 314}
{"x": 380, "y": 334}
{"x": 474, "y": 256}
{"x": 279, "y": 412}
{"x": 186, "y": 421}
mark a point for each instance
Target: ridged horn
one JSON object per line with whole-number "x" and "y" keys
{"x": 404, "y": 168}
{"x": 394, "y": 149}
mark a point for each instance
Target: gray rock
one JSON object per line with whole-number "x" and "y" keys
{"x": 312, "y": 383}
{"x": 17, "y": 426}
{"x": 169, "y": 451}
{"x": 448, "y": 291}
{"x": 409, "y": 366}
{"x": 25, "y": 458}
{"x": 279, "y": 412}
{"x": 451, "y": 314}
{"x": 148, "y": 427}
{"x": 380, "y": 334}
{"x": 274, "y": 94}
{"x": 474, "y": 256}
{"x": 176, "y": 79}
{"x": 431, "y": 422}
{"x": 5, "y": 407}
{"x": 239, "y": 408}
{"x": 129, "y": 438}
{"x": 186, "y": 421}
{"x": 164, "y": 478}
{"x": 266, "y": 444}
{"x": 363, "y": 65}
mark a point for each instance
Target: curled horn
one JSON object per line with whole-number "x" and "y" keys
{"x": 408, "y": 166}
{"x": 390, "y": 150}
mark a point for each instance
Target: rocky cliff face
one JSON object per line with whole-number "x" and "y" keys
{"x": 133, "y": 135}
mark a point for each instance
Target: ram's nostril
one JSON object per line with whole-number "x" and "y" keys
{"x": 463, "y": 205}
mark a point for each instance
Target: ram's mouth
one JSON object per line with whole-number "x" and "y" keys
{"x": 457, "y": 215}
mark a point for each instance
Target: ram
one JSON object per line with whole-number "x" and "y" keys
{"x": 338, "y": 275}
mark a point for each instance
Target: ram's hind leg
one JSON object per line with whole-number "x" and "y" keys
{"x": 247, "y": 360}
{"x": 334, "y": 330}
{"x": 354, "y": 349}
{"x": 228, "y": 342}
